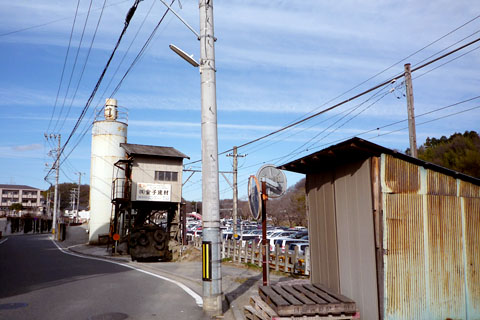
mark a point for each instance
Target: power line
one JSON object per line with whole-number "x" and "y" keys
{"x": 396, "y": 63}
{"x": 378, "y": 128}
{"x": 64, "y": 65}
{"x": 85, "y": 63}
{"x": 73, "y": 70}
{"x": 142, "y": 51}
{"x": 51, "y": 22}
{"x": 100, "y": 100}
{"x": 129, "y": 16}
{"x": 347, "y": 100}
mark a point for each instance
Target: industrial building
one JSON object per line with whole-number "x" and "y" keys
{"x": 31, "y": 199}
{"x": 135, "y": 191}
{"x": 398, "y": 235}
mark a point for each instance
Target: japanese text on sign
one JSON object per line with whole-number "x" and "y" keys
{"x": 153, "y": 192}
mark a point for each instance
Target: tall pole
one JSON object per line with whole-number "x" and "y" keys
{"x": 411, "y": 112}
{"x": 212, "y": 287}
{"x": 78, "y": 194}
{"x": 235, "y": 156}
{"x": 57, "y": 171}
{"x": 265, "y": 245}
{"x": 235, "y": 191}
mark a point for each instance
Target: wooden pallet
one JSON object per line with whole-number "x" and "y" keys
{"x": 259, "y": 310}
{"x": 305, "y": 299}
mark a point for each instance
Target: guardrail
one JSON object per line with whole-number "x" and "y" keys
{"x": 242, "y": 252}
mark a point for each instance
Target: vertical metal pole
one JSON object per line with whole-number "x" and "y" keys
{"x": 411, "y": 113}
{"x": 55, "y": 198}
{"x": 212, "y": 290}
{"x": 235, "y": 191}
{"x": 265, "y": 249}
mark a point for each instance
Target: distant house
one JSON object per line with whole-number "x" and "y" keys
{"x": 31, "y": 199}
{"x": 398, "y": 235}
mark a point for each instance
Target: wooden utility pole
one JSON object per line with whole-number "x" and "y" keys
{"x": 235, "y": 188}
{"x": 411, "y": 113}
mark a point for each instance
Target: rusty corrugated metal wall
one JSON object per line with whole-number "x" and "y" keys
{"x": 431, "y": 241}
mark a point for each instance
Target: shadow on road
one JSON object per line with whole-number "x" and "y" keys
{"x": 33, "y": 262}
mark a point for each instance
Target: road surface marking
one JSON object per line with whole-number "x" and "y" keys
{"x": 2, "y": 241}
{"x": 198, "y": 299}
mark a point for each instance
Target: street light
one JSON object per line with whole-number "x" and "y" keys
{"x": 184, "y": 55}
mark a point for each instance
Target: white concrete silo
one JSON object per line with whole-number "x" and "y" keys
{"x": 106, "y": 151}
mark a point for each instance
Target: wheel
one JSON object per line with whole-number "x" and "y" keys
{"x": 143, "y": 240}
{"x": 159, "y": 236}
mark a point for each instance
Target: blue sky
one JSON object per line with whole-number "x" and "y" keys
{"x": 277, "y": 62}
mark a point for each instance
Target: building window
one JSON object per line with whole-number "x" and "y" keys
{"x": 166, "y": 176}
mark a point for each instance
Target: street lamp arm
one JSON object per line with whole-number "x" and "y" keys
{"x": 181, "y": 19}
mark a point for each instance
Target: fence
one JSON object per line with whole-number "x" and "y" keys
{"x": 244, "y": 252}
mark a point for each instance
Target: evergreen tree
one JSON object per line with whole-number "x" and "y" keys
{"x": 459, "y": 152}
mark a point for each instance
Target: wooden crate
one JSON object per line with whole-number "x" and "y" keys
{"x": 303, "y": 299}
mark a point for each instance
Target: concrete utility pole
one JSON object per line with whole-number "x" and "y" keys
{"x": 57, "y": 170}
{"x": 212, "y": 287}
{"x": 78, "y": 195}
{"x": 73, "y": 200}
{"x": 411, "y": 113}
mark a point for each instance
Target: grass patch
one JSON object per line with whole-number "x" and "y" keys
{"x": 227, "y": 260}
{"x": 250, "y": 265}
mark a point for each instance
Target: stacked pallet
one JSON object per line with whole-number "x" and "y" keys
{"x": 300, "y": 300}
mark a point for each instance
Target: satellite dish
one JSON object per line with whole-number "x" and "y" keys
{"x": 275, "y": 179}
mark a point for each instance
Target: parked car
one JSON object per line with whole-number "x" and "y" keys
{"x": 283, "y": 243}
{"x": 301, "y": 247}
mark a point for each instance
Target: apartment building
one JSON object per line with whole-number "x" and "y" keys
{"x": 31, "y": 199}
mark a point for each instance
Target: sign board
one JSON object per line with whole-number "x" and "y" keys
{"x": 254, "y": 197}
{"x": 275, "y": 179}
{"x": 153, "y": 191}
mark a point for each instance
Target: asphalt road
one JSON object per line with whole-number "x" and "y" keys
{"x": 38, "y": 281}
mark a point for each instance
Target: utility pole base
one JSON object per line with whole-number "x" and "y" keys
{"x": 213, "y": 305}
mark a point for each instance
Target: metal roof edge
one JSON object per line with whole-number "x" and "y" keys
{"x": 370, "y": 149}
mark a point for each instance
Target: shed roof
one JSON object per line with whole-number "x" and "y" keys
{"x": 156, "y": 151}
{"x": 358, "y": 149}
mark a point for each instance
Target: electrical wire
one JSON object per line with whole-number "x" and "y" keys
{"x": 87, "y": 105}
{"x": 51, "y": 22}
{"x": 346, "y": 100}
{"x": 64, "y": 66}
{"x": 85, "y": 63}
{"x": 100, "y": 100}
{"x": 142, "y": 51}
{"x": 73, "y": 67}
{"x": 379, "y": 128}
{"x": 443, "y": 64}
{"x": 393, "y": 65}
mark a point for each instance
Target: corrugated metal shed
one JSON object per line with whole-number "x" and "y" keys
{"x": 158, "y": 151}
{"x": 421, "y": 220}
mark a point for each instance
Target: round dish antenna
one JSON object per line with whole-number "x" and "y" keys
{"x": 275, "y": 179}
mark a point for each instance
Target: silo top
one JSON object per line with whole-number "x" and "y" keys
{"x": 111, "y": 112}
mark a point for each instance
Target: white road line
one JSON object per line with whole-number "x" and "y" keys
{"x": 198, "y": 299}
{"x": 2, "y": 241}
